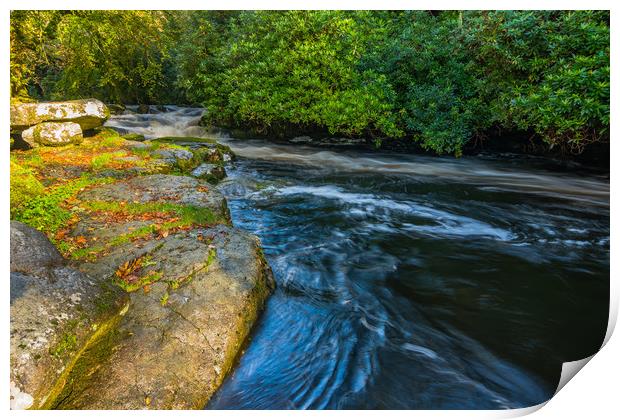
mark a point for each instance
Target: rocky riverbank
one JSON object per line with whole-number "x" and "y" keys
{"x": 129, "y": 286}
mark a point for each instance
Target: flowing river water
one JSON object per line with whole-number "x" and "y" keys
{"x": 407, "y": 281}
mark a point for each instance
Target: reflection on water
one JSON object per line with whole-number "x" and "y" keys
{"x": 409, "y": 281}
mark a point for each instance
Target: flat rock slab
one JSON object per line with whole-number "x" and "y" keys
{"x": 183, "y": 190}
{"x": 180, "y": 336}
{"x": 88, "y": 113}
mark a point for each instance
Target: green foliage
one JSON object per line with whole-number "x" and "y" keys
{"x": 44, "y": 209}
{"x": 117, "y": 56}
{"x": 558, "y": 68}
{"x": 24, "y": 187}
{"x": 32, "y": 51}
{"x": 438, "y": 79}
{"x": 437, "y": 101}
{"x": 297, "y": 69}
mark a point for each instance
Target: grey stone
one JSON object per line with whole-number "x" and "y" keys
{"x": 209, "y": 171}
{"x": 55, "y": 313}
{"x": 88, "y": 113}
{"x": 181, "y": 337}
{"x": 53, "y": 134}
{"x": 31, "y": 252}
{"x": 184, "y": 190}
{"x": 174, "y": 155}
{"x": 301, "y": 139}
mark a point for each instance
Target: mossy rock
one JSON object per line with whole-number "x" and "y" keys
{"x": 181, "y": 337}
{"x": 56, "y": 313}
{"x": 209, "y": 172}
{"x": 196, "y": 142}
{"x": 133, "y": 137}
{"x": 116, "y": 109}
{"x": 88, "y": 113}
{"x": 53, "y": 134}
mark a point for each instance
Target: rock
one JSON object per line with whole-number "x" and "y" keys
{"x": 329, "y": 141}
{"x": 181, "y": 335}
{"x": 88, "y": 113}
{"x": 143, "y": 109}
{"x": 116, "y": 109}
{"x": 301, "y": 139}
{"x": 217, "y": 152}
{"x": 183, "y": 190}
{"x": 133, "y": 137}
{"x": 152, "y": 320}
{"x": 53, "y": 134}
{"x": 341, "y": 141}
{"x": 55, "y": 315}
{"x": 178, "y": 342}
{"x": 174, "y": 155}
{"x": 31, "y": 252}
{"x": 209, "y": 172}
{"x": 28, "y": 137}
{"x": 134, "y": 144}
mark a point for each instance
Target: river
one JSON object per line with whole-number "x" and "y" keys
{"x": 408, "y": 281}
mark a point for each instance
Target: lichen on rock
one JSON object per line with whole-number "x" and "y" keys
{"x": 88, "y": 113}
{"x": 53, "y": 134}
{"x": 55, "y": 312}
{"x": 177, "y": 352}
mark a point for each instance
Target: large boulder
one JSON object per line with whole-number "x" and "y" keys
{"x": 88, "y": 113}
{"x": 57, "y": 312}
{"x": 53, "y": 134}
{"x": 181, "y": 335}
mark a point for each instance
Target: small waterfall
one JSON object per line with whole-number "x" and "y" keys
{"x": 172, "y": 121}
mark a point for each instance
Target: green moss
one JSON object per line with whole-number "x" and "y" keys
{"x": 96, "y": 349}
{"x": 164, "y": 298}
{"x": 24, "y": 187}
{"x": 133, "y": 137}
{"x": 103, "y": 160}
{"x": 44, "y": 211}
{"x": 168, "y": 145}
{"x": 67, "y": 343}
{"x": 189, "y": 215}
{"x": 212, "y": 255}
{"x": 87, "y": 254}
{"x": 30, "y": 160}
{"x": 185, "y": 216}
{"x": 149, "y": 278}
{"x": 105, "y": 300}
